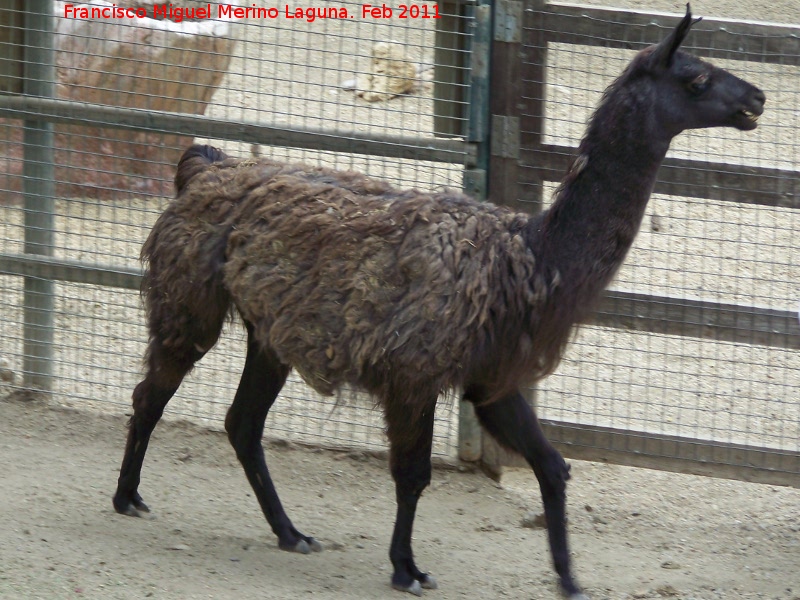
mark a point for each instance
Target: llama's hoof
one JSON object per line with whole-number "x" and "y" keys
{"x": 134, "y": 507}
{"x": 425, "y": 582}
{"x": 429, "y": 583}
{"x": 415, "y": 588}
{"x": 306, "y": 546}
{"x": 130, "y": 511}
{"x": 579, "y": 596}
{"x": 315, "y": 545}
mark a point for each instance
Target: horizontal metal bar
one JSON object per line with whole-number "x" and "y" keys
{"x": 663, "y": 452}
{"x": 711, "y": 38}
{"x": 699, "y": 319}
{"x": 59, "y": 269}
{"x": 619, "y": 309}
{"x": 73, "y": 112}
{"x": 764, "y": 186}
{"x": 674, "y": 453}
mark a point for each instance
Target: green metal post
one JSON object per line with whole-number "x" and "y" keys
{"x": 470, "y": 434}
{"x": 38, "y": 191}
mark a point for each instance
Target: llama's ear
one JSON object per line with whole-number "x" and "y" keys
{"x": 663, "y": 53}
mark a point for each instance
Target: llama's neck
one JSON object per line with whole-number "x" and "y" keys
{"x": 598, "y": 209}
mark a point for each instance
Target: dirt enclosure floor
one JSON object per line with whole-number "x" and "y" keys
{"x": 635, "y": 533}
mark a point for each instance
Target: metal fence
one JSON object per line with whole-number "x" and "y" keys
{"x": 692, "y": 363}
{"x": 98, "y": 107}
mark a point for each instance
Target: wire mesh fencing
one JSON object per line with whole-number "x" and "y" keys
{"x": 123, "y": 90}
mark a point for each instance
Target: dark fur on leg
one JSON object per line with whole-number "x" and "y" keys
{"x": 167, "y": 368}
{"x": 262, "y": 379}
{"x": 410, "y": 438}
{"x": 513, "y": 423}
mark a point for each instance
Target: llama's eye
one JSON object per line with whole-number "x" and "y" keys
{"x": 699, "y": 84}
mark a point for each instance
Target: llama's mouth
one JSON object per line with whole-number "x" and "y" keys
{"x": 749, "y": 115}
{"x": 746, "y": 119}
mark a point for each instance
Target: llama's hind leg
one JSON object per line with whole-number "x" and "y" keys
{"x": 262, "y": 379}
{"x": 410, "y": 441}
{"x": 513, "y": 423}
{"x": 166, "y": 369}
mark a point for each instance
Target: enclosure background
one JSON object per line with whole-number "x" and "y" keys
{"x": 291, "y": 74}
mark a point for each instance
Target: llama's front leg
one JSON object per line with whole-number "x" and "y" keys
{"x": 262, "y": 379}
{"x": 513, "y": 423}
{"x": 410, "y": 440}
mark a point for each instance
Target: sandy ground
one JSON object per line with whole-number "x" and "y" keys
{"x": 635, "y": 533}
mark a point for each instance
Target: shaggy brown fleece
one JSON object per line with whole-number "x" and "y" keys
{"x": 347, "y": 279}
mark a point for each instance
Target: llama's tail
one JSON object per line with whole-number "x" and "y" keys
{"x": 194, "y": 161}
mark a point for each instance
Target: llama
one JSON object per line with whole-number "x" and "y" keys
{"x": 406, "y": 294}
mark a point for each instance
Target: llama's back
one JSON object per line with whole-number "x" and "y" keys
{"x": 351, "y": 281}
{"x": 347, "y": 279}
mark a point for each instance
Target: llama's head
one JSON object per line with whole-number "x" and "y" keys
{"x": 691, "y": 93}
